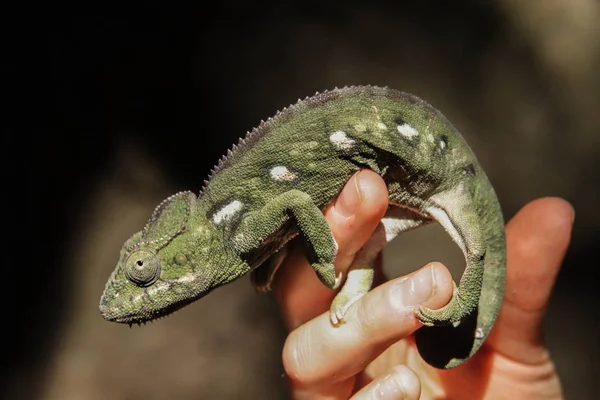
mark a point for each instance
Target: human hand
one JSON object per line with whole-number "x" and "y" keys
{"x": 372, "y": 355}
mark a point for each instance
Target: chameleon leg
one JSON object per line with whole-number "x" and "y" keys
{"x": 297, "y": 205}
{"x": 359, "y": 279}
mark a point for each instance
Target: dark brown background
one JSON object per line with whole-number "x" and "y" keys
{"x": 133, "y": 105}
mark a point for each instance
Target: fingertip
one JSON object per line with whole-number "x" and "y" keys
{"x": 364, "y": 196}
{"x": 430, "y": 286}
{"x": 543, "y": 225}
{"x": 373, "y": 192}
{"x": 547, "y": 213}
{"x": 553, "y": 202}
{"x": 550, "y": 212}
{"x": 443, "y": 286}
{"x": 408, "y": 381}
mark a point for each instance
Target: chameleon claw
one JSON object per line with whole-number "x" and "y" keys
{"x": 340, "y": 306}
{"x": 338, "y": 281}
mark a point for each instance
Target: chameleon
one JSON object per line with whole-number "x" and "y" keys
{"x": 274, "y": 185}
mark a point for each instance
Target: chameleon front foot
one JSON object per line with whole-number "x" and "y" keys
{"x": 357, "y": 284}
{"x": 326, "y": 274}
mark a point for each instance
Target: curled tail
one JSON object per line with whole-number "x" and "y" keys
{"x": 472, "y": 217}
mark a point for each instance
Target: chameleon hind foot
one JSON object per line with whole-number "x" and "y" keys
{"x": 451, "y": 314}
{"x": 358, "y": 283}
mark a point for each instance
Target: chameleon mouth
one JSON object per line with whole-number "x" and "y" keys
{"x": 142, "y": 316}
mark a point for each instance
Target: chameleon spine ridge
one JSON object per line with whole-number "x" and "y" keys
{"x": 262, "y": 129}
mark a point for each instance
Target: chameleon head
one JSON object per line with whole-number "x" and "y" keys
{"x": 154, "y": 275}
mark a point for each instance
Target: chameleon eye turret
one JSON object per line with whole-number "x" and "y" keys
{"x": 142, "y": 268}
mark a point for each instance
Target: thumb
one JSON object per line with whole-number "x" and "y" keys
{"x": 537, "y": 238}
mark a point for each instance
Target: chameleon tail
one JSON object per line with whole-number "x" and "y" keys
{"x": 473, "y": 219}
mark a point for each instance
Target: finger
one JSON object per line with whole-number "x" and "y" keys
{"x": 318, "y": 352}
{"x": 400, "y": 384}
{"x": 352, "y": 218}
{"x": 537, "y": 239}
{"x": 356, "y": 213}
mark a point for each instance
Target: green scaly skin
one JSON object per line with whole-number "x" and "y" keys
{"x": 274, "y": 186}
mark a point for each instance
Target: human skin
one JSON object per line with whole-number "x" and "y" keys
{"x": 372, "y": 355}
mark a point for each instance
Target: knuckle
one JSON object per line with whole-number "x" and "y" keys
{"x": 392, "y": 301}
{"x": 382, "y": 314}
{"x": 375, "y": 311}
{"x": 368, "y": 319}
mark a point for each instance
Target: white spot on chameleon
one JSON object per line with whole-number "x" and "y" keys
{"x": 153, "y": 290}
{"x": 442, "y": 145}
{"x": 227, "y": 212}
{"x": 479, "y": 333}
{"x": 381, "y": 126}
{"x": 393, "y": 226}
{"x": 187, "y": 278}
{"x": 341, "y": 141}
{"x": 281, "y": 173}
{"x": 407, "y": 131}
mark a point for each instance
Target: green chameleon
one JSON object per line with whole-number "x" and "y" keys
{"x": 274, "y": 185}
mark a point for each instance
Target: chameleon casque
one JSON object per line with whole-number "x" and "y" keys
{"x": 274, "y": 185}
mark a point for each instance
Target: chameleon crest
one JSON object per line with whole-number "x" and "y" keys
{"x": 274, "y": 185}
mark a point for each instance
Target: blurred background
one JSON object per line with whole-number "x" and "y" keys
{"x": 135, "y": 105}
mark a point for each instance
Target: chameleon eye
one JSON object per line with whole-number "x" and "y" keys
{"x": 142, "y": 268}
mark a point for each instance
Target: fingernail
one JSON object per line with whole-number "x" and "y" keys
{"x": 387, "y": 388}
{"x": 418, "y": 287}
{"x": 349, "y": 200}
